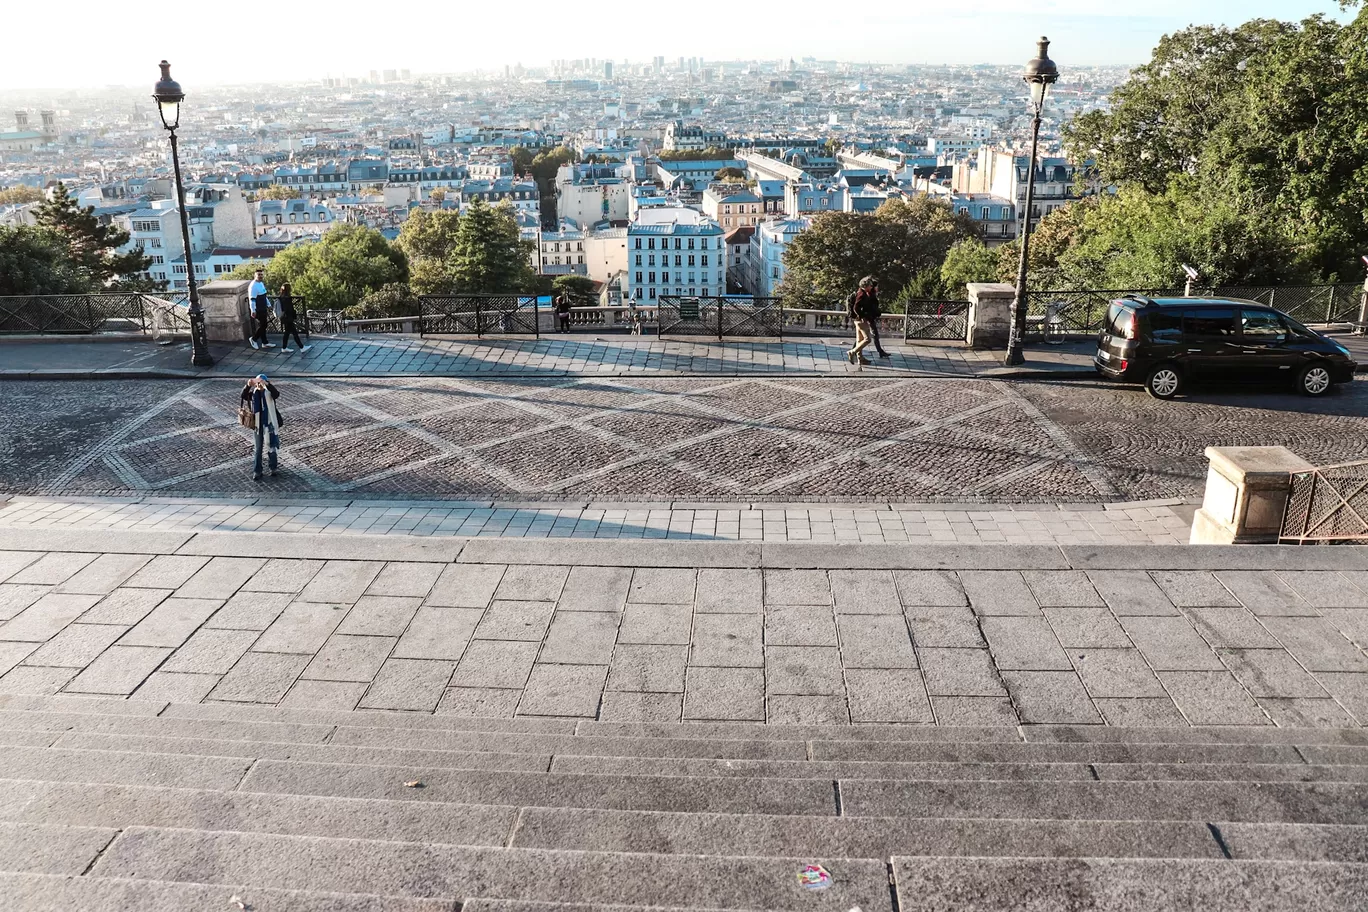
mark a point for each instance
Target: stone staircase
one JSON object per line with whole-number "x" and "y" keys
{"x": 144, "y": 807}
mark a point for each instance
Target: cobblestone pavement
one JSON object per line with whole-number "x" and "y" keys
{"x": 777, "y": 439}
{"x": 495, "y": 637}
{"x": 1139, "y": 524}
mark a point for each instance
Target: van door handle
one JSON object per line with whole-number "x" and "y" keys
{"x": 1194, "y": 351}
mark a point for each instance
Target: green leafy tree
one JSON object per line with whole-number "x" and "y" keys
{"x": 895, "y": 243}
{"x": 730, "y": 175}
{"x": 522, "y": 159}
{"x": 544, "y": 167}
{"x": 340, "y": 268}
{"x": 278, "y": 192}
{"x": 38, "y": 260}
{"x": 20, "y": 194}
{"x": 489, "y": 257}
{"x": 711, "y": 153}
{"x": 579, "y": 289}
{"x": 244, "y": 271}
{"x": 969, "y": 260}
{"x": 392, "y": 300}
{"x": 428, "y": 239}
{"x": 1268, "y": 117}
{"x": 95, "y": 247}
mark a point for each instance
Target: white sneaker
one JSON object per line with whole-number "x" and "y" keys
{"x": 255, "y": 344}
{"x": 286, "y": 351}
{"x": 304, "y": 348}
{"x": 269, "y": 345}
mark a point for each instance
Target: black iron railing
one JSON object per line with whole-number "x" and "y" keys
{"x": 1329, "y": 503}
{"x": 90, "y": 314}
{"x": 478, "y": 315}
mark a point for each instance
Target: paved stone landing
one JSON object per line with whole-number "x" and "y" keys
{"x": 1158, "y": 522}
{"x": 682, "y": 631}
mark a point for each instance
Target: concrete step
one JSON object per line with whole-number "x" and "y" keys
{"x": 1207, "y": 734}
{"x": 881, "y": 837}
{"x": 318, "y": 753}
{"x": 50, "y": 848}
{"x": 51, "y": 764}
{"x": 660, "y": 793}
{"x": 87, "y": 804}
{"x": 397, "y": 868}
{"x": 1258, "y": 802}
{"x": 1111, "y": 885}
{"x": 48, "y": 893}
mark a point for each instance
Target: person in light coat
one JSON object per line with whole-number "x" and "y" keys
{"x": 260, "y": 396}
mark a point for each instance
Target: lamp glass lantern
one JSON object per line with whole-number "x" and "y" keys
{"x": 168, "y": 96}
{"x": 1040, "y": 74}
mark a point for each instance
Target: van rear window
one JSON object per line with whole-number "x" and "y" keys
{"x": 1119, "y": 321}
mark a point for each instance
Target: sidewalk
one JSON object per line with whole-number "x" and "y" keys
{"x": 1165, "y": 522}
{"x": 551, "y": 356}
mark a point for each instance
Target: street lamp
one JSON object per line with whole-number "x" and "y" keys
{"x": 1040, "y": 74}
{"x": 168, "y": 96}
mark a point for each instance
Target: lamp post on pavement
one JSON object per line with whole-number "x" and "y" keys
{"x": 168, "y": 96}
{"x": 1040, "y": 74}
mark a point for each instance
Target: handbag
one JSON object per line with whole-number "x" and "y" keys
{"x": 246, "y": 418}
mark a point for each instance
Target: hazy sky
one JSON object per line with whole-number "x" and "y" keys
{"x": 120, "y": 44}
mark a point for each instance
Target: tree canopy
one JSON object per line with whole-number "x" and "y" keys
{"x": 278, "y": 192}
{"x": 340, "y": 268}
{"x": 20, "y": 194}
{"x": 94, "y": 247}
{"x": 1252, "y": 139}
{"x": 38, "y": 260}
{"x": 897, "y": 242}
{"x": 428, "y": 239}
{"x": 488, "y": 255}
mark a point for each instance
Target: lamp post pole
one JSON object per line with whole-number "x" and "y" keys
{"x": 1040, "y": 74}
{"x": 169, "y": 96}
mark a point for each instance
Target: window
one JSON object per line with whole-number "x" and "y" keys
{"x": 1261, "y": 325}
{"x": 638, "y": 278}
{"x": 652, "y": 275}
{"x": 650, "y": 243}
{"x": 1209, "y": 324}
{"x": 825, "y": 201}
{"x": 726, "y": 209}
{"x": 705, "y": 258}
{"x": 159, "y": 259}
{"x": 691, "y": 259}
{"x": 691, "y": 243}
{"x": 638, "y": 243}
{"x": 653, "y": 294}
{"x": 1165, "y": 325}
{"x": 693, "y": 277}
{"x": 265, "y": 219}
{"x": 651, "y": 260}
{"x": 678, "y": 242}
{"x": 155, "y": 242}
{"x": 638, "y": 259}
{"x": 581, "y": 258}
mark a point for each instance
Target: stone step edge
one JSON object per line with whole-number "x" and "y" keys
{"x": 553, "y": 756}
{"x": 197, "y": 896}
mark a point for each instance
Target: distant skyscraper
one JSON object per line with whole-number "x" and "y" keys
{"x": 404, "y": 75}
{"x": 608, "y": 69}
{"x": 660, "y": 64}
{"x": 375, "y": 77}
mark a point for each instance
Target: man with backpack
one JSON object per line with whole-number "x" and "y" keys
{"x": 862, "y": 308}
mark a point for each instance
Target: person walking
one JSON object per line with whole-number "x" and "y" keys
{"x": 562, "y": 304}
{"x": 859, "y": 307}
{"x": 875, "y": 312}
{"x": 261, "y": 310}
{"x": 258, "y": 398}
{"x": 285, "y": 301}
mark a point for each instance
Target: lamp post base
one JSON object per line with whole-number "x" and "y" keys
{"x": 199, "y": 341}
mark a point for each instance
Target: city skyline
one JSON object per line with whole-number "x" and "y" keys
{"x": 998, "y": 32}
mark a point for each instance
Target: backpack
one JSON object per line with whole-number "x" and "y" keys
{"x": 850, "y": 305}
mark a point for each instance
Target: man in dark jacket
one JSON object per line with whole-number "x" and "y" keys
{"x": 873, "y": 313}
{"x": 863, "y": 308}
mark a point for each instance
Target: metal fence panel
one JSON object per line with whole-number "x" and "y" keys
{"x": 687, "y": 316}
{"x": 1329, "y": 503}
{"x": 478, "y": 314}
{"x": 755, "y": 317}
{"x": 82, "y": 314}
{"x": 933, "y": 319}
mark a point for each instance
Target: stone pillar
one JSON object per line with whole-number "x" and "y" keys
{"x": 990, "y": 314}
{"x": 1246, "y": 495}
{"x": 227, "y": 315}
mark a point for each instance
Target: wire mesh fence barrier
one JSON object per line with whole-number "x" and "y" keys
{"x": 688, "y": 316}
{"x": 1081, "y": 311}
{"x": 82, "y": 314}
{"x": 751, "y": 317}
{"x": 1329, "y": 503}
{"x": 932, "y": 319}
{"x": 478, "y": 315}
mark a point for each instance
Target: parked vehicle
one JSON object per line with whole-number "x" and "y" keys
{"x": 1167, "y": 343}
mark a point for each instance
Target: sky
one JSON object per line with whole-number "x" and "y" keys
{"x": 119, "y": 44}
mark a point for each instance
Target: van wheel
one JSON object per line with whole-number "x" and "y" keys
{"x": 1164, "y": 381}
{"x": 1314, "y": 380}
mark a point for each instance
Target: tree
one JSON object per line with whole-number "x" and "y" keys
{"x": 428, "y": 239}
{"x": 278, "y": 192}
{"x": 894, "y": 244}
{"x": 730, "y": 175}
{"x": 244, "y": 271}
{"x": 438, "y": 194}
{"x": 711, "y": 153}
{"x": 579, "y": 289}
{"x": 392, "y": 300}
{"x": 546, "y": 164}
{"x": 967, "y": 261}
{"x": 94, "y": 247}
{"x": 20, "y": 194}
{"x": 1268, "y": 117}
{"x": 38, "y": 261}
{"x": 340, "y": 268}
{"x": 489, "y": 256}
{"x": 522, "y": 159}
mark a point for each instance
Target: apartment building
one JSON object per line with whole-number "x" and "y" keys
{"x": 675, "y": 251}
{"x": 732, "y": 205}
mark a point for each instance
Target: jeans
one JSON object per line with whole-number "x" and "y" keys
{"x": 287, "y": 329}
{"x": 263, "y": 320}
{"x": 265, "y": 432}
{"x": 874, "y": 328}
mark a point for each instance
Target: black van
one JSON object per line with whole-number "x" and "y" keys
{"x": 1168, "y": 342}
